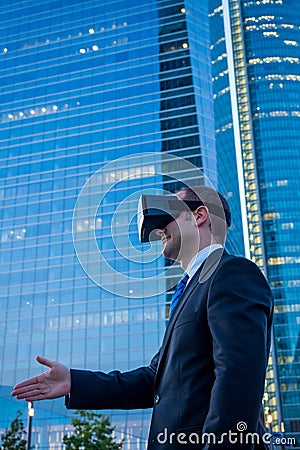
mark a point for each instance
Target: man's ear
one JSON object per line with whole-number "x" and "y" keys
{"x": 202, "y": 215}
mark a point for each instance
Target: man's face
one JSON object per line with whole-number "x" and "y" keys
{"x": 180, "y": 237}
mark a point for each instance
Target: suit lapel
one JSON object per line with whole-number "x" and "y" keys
{"x": 203, "y": 273}
{"x": 186, "y": 294}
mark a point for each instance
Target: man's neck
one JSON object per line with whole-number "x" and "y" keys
{"x": 185, "y": 261}
{"x": 202, "y": 253}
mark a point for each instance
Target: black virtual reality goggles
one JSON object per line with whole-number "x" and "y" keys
{"x": 157, "y": 211}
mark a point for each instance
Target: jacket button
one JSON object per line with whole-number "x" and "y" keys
{"x": 156, "y": 398}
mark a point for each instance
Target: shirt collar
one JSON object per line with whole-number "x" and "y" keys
{"x": 199, "y": 258}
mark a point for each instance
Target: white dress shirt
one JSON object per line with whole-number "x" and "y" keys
{"x": 199, "y": 258}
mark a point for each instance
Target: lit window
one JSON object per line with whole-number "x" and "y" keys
{"x": 91, "y": 31}
{"x": 216, "y": 11}
{"x": 270, "y": 59}
{"x": 21, "y": 114}
{"x": 32, "y": 112}
{"x": 185, "y": 45}
{"x": 5, "y": 50}
{"x": 95, "y": 48}
{"x": 55, "y": 107}
{"x": 268, "y": 25}
{"x": 282, "y": 182}
{"x": 276, "y": 261}
{"x": 10, "y": 116}
{"x": 279, "y": 114}
{"x": 288, "y": 226}
{"x": 290, "y": 77}
{"x": 291, "y": 60}
{"x": 270, "y": 33}
{"x": 266, "y": 18}
{"x": 82, "y": 51}
{"x": 294, "y": 283}
{"x": 183, "y": 10}
{"x": 288, "y": 25}
{"x": 99, "y": 223}
{"x": 253, "y": 27}
{"x": 44, "y": 109}
{"x": 255, "y": 61}
{"x": 287, "y": 42}
{"x": 271, "y": 216}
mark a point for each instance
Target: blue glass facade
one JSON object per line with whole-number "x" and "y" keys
{"x": 255, "y": 55}
{"x": 228, "y": 181}
{"x": 84, "y": 84}
{"x": 272, "y": 39}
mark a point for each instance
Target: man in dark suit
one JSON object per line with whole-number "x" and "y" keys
{"x": 206, "y": 382}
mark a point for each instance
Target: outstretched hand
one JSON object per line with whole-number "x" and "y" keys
{"x": 54, "y": 383}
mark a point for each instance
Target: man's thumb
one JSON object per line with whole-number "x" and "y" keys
{"x": 45, "y": 361}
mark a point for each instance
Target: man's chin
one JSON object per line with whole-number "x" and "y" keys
{"x": 168, "y": 254}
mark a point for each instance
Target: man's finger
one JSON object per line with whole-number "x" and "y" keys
{"x": 32, "y": 396}
{"x": 24, "y": 384}
{"x": 25, "y": 389}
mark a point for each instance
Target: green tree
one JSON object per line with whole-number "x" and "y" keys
{"x": 12, "y": 438}
{"x": 92, "y": 431}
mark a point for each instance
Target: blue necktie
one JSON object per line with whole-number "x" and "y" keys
{"x": 178, "y": 292}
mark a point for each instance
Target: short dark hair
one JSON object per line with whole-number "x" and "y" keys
{"x": 213, "y": 200}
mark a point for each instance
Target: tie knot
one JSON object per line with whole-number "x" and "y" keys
{"x": 184, "y": 280}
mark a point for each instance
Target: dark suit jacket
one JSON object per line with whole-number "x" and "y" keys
{"x": 208, "y": 376}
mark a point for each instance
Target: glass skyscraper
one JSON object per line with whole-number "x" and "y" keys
{"x": 256, "y": 68}
{"x": 228, "y": 181}
{"x": 94, "y": 96}
{"x": 98, "y": 102}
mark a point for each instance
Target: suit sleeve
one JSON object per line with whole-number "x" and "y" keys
{"x": 113, "y": 390}
{"x": 240, "y": 309}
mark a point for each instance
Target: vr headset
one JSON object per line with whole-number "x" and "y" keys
{"x": 157, "y": 211}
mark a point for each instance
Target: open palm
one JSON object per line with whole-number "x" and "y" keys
{"x": 54, "y": 383}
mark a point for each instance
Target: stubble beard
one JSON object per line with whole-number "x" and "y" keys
{"x": 172, "y": 249}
